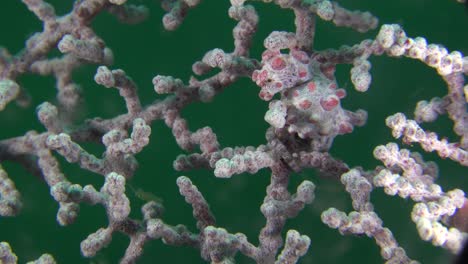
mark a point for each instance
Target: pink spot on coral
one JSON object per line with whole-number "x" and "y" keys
{"x": 268, "y": 54}
{"x": 305, "y": 104}
{"x": 341, "y": 93}
{"x": 311, "y": 86}
{"x": 295, "y": 93}
{"x": 276, "y": 87}
{"x": 265, "y": 95}
{"x": 261, "y": 77}
{"x": 278, "y": 64}
{"x": 302, "y": 74}
{"x": 301, "y": 56}
{"x": 329, "y": 103}
{"x": 332, "y": 86}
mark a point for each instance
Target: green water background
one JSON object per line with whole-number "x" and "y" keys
{"x": 236, "y": 116}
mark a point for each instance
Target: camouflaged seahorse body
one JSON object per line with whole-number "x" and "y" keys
{"x": 310, "y": 98}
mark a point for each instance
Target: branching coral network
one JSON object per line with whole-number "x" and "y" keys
{"x": 305, "y": 115}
